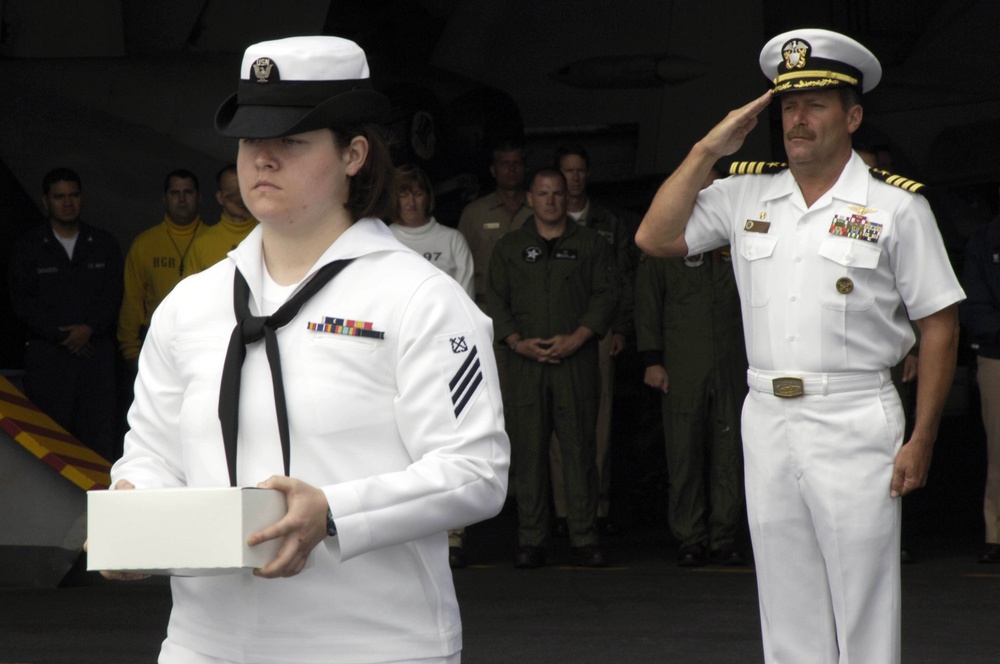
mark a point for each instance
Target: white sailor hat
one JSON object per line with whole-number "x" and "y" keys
{"x": 814, "y": 59}
{"x": 298, "y": 84}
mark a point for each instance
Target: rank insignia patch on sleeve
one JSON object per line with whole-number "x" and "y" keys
{"x": 463, "y": 369}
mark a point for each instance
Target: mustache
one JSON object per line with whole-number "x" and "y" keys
{"x": 799, "y": 132}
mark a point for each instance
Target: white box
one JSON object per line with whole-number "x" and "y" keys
{"x": 183, "y": 532}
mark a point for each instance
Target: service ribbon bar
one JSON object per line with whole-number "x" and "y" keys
{"x": 352, "y": 328}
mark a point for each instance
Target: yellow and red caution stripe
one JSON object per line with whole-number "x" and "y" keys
{"x": 39, "y": 434}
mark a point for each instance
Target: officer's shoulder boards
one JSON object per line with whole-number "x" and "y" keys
{"x": 756, "y": 167}
{"x": 896, "y": 180}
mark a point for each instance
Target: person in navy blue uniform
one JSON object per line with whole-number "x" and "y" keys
{"x": 65, "y": 286}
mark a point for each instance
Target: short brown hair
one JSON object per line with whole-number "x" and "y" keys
{"x": 371, "y": 190}
{"x": 408, "y": 177}
{"x": 546, "y": 172}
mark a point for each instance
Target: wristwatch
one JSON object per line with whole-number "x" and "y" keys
{"x": 513, "y": 344}
{"x": 331, "y": 527}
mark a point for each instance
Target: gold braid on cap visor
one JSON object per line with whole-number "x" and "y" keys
{"x": 821, "y": 79}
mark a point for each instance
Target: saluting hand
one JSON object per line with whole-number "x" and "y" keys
{"x": 727, "y": 137}
{"x": 303, "y": 527}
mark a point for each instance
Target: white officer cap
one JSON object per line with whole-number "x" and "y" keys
{"x": 814, "y": 59}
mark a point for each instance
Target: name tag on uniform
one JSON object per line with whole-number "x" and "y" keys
{"x": 755, "y": 226}
{"x": 566, "y": 254}
{"x": 493, "y": 225}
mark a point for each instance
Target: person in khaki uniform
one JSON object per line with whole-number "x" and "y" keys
{"x": 485, "y": 220}
{"x": 553, "y": 293}
{"x": 690, "y": 336}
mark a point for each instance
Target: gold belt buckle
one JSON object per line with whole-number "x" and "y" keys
{"x": 787, "y": 387}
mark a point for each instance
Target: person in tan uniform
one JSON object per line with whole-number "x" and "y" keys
{"x": 487, "y": 219}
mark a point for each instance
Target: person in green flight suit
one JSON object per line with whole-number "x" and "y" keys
{"x": 574, "y": 163}
{"x": 553, "y": 291}
{"x": 690, "y": 336}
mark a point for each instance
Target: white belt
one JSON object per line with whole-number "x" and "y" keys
{"x": 797, "y": 384}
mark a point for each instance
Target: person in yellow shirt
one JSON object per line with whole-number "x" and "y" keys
{"x": 155, "y": 262}
{"x": 234, "y": 225}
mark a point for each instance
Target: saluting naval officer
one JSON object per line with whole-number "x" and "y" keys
{"x": 829, "y": 257}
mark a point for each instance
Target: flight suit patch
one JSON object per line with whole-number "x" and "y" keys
{"x": 566, "y": 254}
{"x": 531, "y": 254}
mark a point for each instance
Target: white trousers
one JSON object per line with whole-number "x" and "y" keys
{"x": 825, "y": 531}
{"x": 172, "y": 653}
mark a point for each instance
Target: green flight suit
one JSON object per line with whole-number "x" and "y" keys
{"x": 687, "y": 317}
{"x": 539, "y": 289}
{"x": 618, "y": 236}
